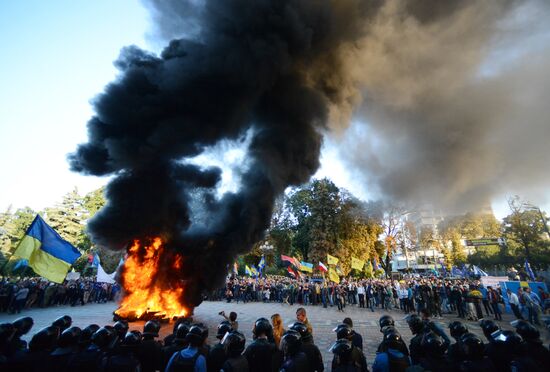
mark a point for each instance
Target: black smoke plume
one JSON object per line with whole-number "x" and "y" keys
{"x": 285, "y": 72}
{"x": 245, "y": 66}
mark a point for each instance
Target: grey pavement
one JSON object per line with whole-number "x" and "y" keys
{"x": 323, "y": 321}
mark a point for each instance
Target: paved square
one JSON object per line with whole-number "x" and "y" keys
{"x": 322, "y": 320}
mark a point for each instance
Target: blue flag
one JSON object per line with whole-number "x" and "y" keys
{"x": 49, "y": 255}
{"x": 444, "y": 269}
{"x": 261, "y": 265}
{"x": 95, "y": 262}
{"x": 529, "y": 270}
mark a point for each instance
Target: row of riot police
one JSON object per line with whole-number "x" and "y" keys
{"x": 430, "y": 349}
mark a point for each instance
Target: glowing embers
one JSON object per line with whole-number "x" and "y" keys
{"x": 150, "y": 293}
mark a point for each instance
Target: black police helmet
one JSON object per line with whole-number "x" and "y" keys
{"x": 341, "y": 347}
{"x": 488, "y": 326}
{"x": 457, "y": 329}
{"x": 63, "y": 322}
{"x": 131, "y": 339}
{"x": 432, "y": 344}
{"x": 69, "y": 337}
{"x": 301, "y": 328}
{"x": 181, "y": 331}
{"x": 45, "y": 339}
{"x": 415, "y": 323}
{"x": 291, "y": 342}
{"x": 262, "y": 326}
{"x": 233, "y": 343}
{"x": 195, "y": 336}
{"x": 86, "y": 334}
{"x": 392, "y": 339}
{"x": 23, "y": 325}
{"x": 223, "y": 328}
{"x": 343, "y": 331}
{"x": 385, "y": 321}
{"x": 472, "y": 346}
{"x": 526, "y": 330}
{"x": 121, "y": 327}
{"x": 151, "y": 328}
{"x": 104, "y": 338}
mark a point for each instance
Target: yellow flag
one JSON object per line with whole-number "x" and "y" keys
{"x": 333, "y": 276}
{"x": 332, "y": 260}
{"x": 357, "y": 263}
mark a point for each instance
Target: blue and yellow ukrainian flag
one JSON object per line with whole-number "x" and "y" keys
{"x": 49, "y": 255}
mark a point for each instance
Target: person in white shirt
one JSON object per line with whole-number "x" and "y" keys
{"x": 361, "y": 294}
{"x": 514, "y": 303}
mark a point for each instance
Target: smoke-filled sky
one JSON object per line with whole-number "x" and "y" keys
{"x": 442, "y": 101}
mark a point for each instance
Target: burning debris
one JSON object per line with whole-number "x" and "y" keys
{"x": 150, "y": 292}
{"x": 279, "y": 70}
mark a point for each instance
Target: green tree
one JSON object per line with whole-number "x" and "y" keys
{"x": 525, "y": 235}
{"x": 94, "y": 201}
{"x": 324, "y": 220}
{"x": 67, "y": 218}
{"x": 16, "y": 225}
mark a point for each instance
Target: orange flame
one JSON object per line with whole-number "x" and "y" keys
{"x": 144, "y": 290}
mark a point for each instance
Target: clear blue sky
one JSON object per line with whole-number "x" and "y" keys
{"x": 56, "y": 56}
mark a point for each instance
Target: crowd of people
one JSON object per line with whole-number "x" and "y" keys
{"x": 17, "y": 295}
{"x": 63, "y": 347}
{"x": 466, "y": 298}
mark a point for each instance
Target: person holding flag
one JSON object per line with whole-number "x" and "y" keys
{"x": 48, "y": 254}
{"x": 261, "y": 265}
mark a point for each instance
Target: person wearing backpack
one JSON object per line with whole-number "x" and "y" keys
{"x": 392, "y": 355}
{"x": 189, "y": 359}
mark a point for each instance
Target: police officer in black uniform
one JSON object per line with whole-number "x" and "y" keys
{"x": 22, "y": 327}
{"x": 67, "y": 346}
{"x": 356, "y": 339}
{"x": 123, "y": 359}
{"x": 311, "y": 350}
{"x": 216, "y": 357}
{"x": 103, "y": 342}
{"x": 416, "y": 325}
{"x": 341, "y": 358}
{"x": 261, "y": 353}
{"x": 433, "y": 353}
{"x": 294, "y": 359}
{"x": 473, "y": 355}
{"x": 455, "y": 353}
{"x": 149, "y": 352}
{"x": 392, "y": 354}
{"x": 233, "y": 343}
{"x": 533, "y": 344}
{"x": 40, "y": 346}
